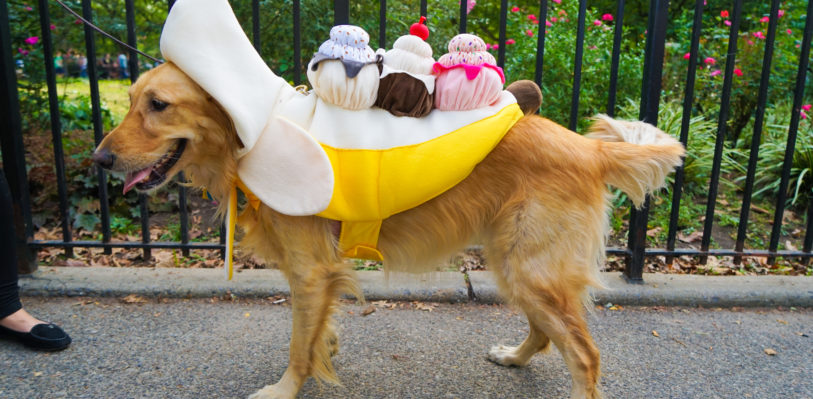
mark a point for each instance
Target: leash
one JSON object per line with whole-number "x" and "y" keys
{"x": 111, "y": 37}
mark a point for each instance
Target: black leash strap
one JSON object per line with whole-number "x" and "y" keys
{"x": 97, "y": 29}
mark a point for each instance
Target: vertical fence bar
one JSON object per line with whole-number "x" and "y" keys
{"x": 11, "y": 146}
{"x": 464, "y": 13}
{"x": 688, "y": 102}
{"x": 341, "y": 12}
{"x": 182, "y": 202}
{"x": 297, "y": 45}
{"x": 540, "y": 41}
{"x": 756, "y": 139}
{"x": 616, "y": 58}
{"x": 132, "y": 63}
{"x": 223, "y": 240}
{"x": 808, "y": 243}
{"x": 56, "y": 125}
{"x": 798, "y": 97}
{"x": 255, "y": 24}
{"x": 650, "y": 103}
{"x": 382, "y": 24}
{"x": 96, "y": 118}
{"x": 423, "y": 10}
{"x": 577, "y": 66}
{"x": 503, "y": 23}
{"x": 722, "y": 123}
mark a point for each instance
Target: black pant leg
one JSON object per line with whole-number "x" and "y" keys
{"x": 9, "y": 290}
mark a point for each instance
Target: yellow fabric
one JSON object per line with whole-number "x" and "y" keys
{"x": 371, "y": 185}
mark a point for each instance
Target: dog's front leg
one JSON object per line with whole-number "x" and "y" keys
{"x": 314, "y": 296}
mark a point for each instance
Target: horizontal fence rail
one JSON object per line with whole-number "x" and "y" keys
{"x": 635, "y": 252}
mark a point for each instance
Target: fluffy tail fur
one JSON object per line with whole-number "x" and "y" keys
{"x": 638, "y": 155}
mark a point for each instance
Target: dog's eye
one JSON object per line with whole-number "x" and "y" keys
{"x": 158, "y": 105}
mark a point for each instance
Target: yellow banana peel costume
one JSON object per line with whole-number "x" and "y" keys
{"x": 303, "y": 156}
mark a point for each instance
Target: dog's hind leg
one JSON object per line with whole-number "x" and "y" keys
{"x": 555, "y": 313}
{"x": 544, "y": 269}
{"x": 520, "y": 355}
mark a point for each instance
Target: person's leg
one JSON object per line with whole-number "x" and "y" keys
{"x": 12, "y": 314}
{"x": 9, "y": 292}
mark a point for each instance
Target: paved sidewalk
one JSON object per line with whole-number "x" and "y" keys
{"x": 203, "y": 348}
{"x": 659, "y": 289}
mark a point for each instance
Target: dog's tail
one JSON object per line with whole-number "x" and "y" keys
{"x": 638, "y": 155}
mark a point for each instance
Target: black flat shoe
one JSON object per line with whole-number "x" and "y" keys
{"x": 46, "y": 337}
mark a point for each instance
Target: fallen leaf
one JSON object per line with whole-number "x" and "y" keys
{"x": 770, "y": 352}
{"x": 423, "y": 306}
{"x": 133, "y": 298}
{"x": 369, "y": 310}
{"x": 37, "y": 373}
{"x": 782, "y": 321}
{"x": 247, "y": 314}
{"x": 653, "y": 232}
{"x": 695, "y": 236}
{"x": 655, "y": 333}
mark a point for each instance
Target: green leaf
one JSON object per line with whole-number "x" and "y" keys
{"x": 86, "y": 221}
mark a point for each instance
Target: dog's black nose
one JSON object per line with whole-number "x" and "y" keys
{"x": 104, "y": 158}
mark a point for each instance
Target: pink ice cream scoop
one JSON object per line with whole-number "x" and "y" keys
{"x": 467, "y": 76}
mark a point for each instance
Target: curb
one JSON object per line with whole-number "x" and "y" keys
{"x": 658, "y": 289}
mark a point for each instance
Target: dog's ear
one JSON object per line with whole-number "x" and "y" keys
{"x": 288, "y": 170}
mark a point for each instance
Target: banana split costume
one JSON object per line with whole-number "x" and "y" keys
{"x": 303, "y": 156}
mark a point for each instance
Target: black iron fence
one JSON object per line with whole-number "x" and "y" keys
{"x": 635, "y": 252}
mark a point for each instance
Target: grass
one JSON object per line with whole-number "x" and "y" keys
{"x": 113, "y": 93}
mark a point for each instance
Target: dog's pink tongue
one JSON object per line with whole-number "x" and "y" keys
{"x": 134, "y": 177}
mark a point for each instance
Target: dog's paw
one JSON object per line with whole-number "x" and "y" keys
{"x": 272, "y": 392}
{"x": 505, "y": 355}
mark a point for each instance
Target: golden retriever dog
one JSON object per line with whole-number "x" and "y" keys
{"x": 538, "y": 204}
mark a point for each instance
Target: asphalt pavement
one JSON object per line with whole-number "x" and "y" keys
{"x": 214, "y": 348}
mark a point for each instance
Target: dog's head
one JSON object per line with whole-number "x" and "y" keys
{"x": 164, "y": 132}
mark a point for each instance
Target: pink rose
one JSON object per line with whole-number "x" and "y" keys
{"x": 531, "y": 17}
{"x": 607, "y": 17}
{"x": 710, "y": 61}
{"x": 515, "y": 9}
{"x": 781, "y": 13}
{"x": 715, "y": 72}
{"x": 738, "y": 71}
{"x": 32, "y": 40}
{"x": 759, "y": 35}
{"x": 727, "y": 23}
{"x": 28, "y": 8}
{"x": 554, "y": 19}
{"x": 764, "y": 19}
{"x": 687, "y": 56}
{"x": 53, "y": 26}
{"x": 596, "y": 22}
{"x": 807, "y": 107}
{"x": 510, "y": 41}
{"x": 547, "y": 23}
{"x": 530, "y": 33}
{"x": 724, "y": 13}
{"x": 557, "y": 1}
{"x": 790, "y": 32}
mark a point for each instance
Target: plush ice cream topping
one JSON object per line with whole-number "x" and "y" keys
{"x": 467, "y": 49}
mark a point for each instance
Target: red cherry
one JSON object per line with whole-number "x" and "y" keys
{"x": 419, "y": 29}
